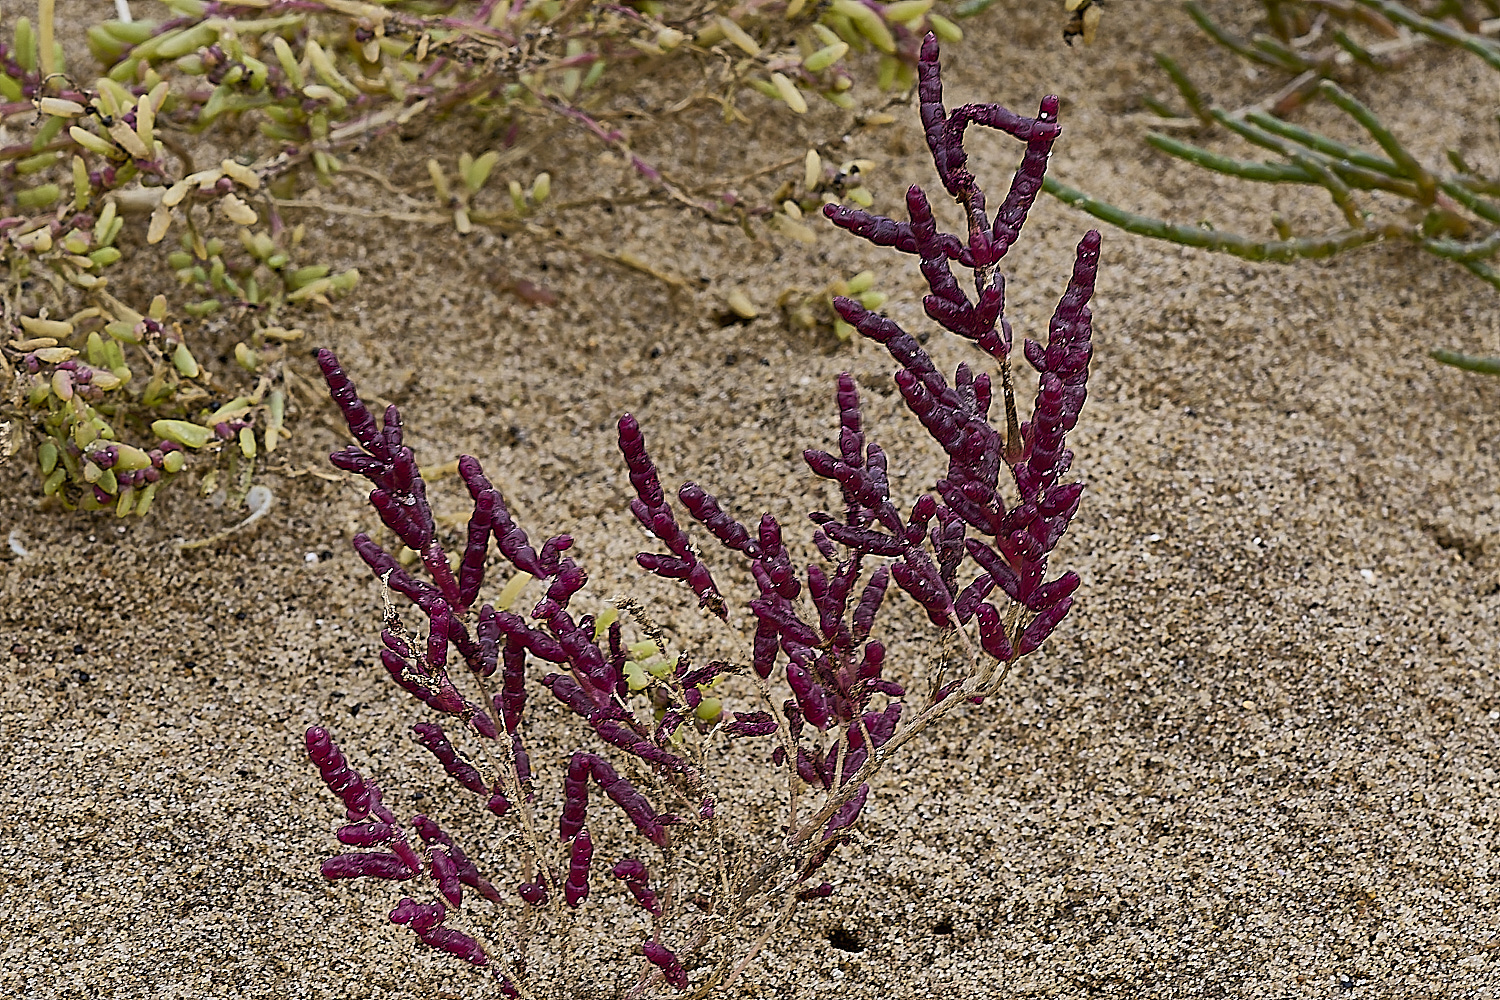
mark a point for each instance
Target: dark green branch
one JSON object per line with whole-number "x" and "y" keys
{"x": 1484, "y": 209}
{"x": 1399, "y": 13}
{"x": 1482, "y": 271}
{"x": 1184, "y": 85}
{"x": 1239, "y": 46}
{"x": 1464, "y": 251}
{"x": 1468, "y": 362}
{"x": 1356, "y": 51}
{"x": 1388, "y": 141}
{"x": 1355, "y": 176}
{"x": 1321, "y": 143}
{"x": 1269, "y": 173}
{"x": 1275, "y": 251}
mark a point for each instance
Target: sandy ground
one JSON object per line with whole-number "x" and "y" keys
{"x": 1258, "y": 760}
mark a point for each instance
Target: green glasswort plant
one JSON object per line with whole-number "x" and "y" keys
{"x": 286, "y": 91}
{"x": 1379, "y": 190}
{"x": 824, "y": 716}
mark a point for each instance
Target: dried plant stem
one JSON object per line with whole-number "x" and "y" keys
{"x": 517, "y": 981}
{"x": 266, "y": 499}
{"x": 793, "y": 843}
{"x": 841, "y": 741}
{"x": 788, "y": 746}
{"x": 864, "y": 731}
{"x": 502, "y": 223}
{"x": 512, "y": 778}
{"x": 788, "y": 907}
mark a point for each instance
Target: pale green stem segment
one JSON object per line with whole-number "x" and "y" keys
{"x": 1468, "y": 362}
{"x": 1250, "y": 170}
{"x": 1244, "y": 247}
{"x": 1400, "y": 14}
{"x": 1190, "y": 93}
{"x": 1388, "y": 142}
{"x": 1321, "y": 143}
{"x": 1276, "y": 56}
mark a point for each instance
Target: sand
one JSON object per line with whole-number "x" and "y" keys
{"x": 1259, "y": 758}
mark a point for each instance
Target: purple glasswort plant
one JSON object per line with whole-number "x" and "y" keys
{"x": 827, "y": 718}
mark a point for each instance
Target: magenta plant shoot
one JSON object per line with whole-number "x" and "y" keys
{"x": 826, "y": 714}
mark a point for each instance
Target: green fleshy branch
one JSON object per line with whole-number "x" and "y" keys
{"x": 1284, "y": 59}
{"x": 1461, "y": 194}
{"x": 1355, "y": 176}
{"x": 1246, "y": 248}
{"x": 1465, "y": 252}
{"x": 1184, "y": 85}
{"x": 1468, "y": 362}
{"x": 1268, "y": 173}
{"x": 1450, "y": 216}
{"x": 1482, "y": 271}
{"x": 1356, "y": 51}
{"x": 1321, "y": 143}
{"x": 1481, "y": 47}
{"x": 1393, "y": 148}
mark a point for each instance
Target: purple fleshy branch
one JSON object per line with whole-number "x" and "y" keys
{"x": 881, "y": 727}
{"x": 499, "y": 638}
{"x": 449, "y": 867}
{"x": 945, "y": 138}
{"x": 584, "y": 765}
{"x": 576, "y": 888}
{"x": 664, "y": 959}
{"x": 392, "y": 867}
{"x": 400, "y": 494}
{"x": 400, "y": 498}
{"x": 342, "y": 780}
{"x": 613, "y": 724}
{"x": 633, "y": 873}
{"x": 512, "y": 696}
{"x": 456, "y": 864}
{"x": 426, "y": 919}
{"x": 1034, "y": 452}
{"x": 431, "y": 736}
{"x": 848, "y": 812}
{"x": 431, "y": 685}
{"x": 832, "y": 665}
{"x": 750, "y": 724}
{"x": 651, "y": 509}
